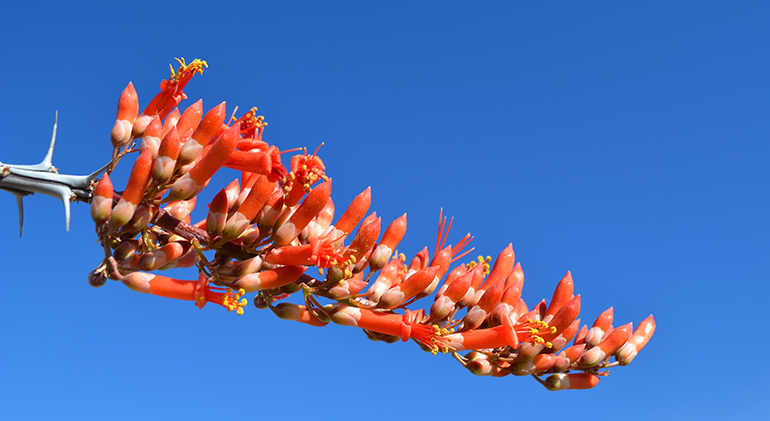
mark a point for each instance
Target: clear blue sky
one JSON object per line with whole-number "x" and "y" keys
{"x": 626, "y": 143}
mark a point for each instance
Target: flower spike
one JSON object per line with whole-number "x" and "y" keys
{"x": 266, "y": 229}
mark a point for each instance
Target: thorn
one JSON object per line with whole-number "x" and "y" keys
{"x": 19, "y": 198}
{"x": 65, "y": 194}
{"x": 67, "y": 214}
{"x": 61, "y": 192}
{"x": 96, "y": 173}
{"x": 46, "y": 164}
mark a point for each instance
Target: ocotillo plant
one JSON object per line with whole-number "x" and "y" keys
{"x": 272, "y": 233}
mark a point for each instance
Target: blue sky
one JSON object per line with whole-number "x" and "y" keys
{"x": 626, "y": 143}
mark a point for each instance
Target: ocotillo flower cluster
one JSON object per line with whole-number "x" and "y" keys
{"x": 272, "y": 233}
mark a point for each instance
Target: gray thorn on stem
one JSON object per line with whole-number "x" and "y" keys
{"x": 23, "y": 180}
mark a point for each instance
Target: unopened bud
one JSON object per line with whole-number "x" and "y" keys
{"x": 259, "y": 302}
{"x": 125, "y": 250}
{"x": 97, "y": 278}
{"x": 571, "y": 381}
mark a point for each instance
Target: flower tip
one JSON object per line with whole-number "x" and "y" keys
{"x": 128, "y": 104}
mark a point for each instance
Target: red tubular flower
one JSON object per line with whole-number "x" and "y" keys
{"x": 168, "y": 253}
{"x": 198, "y": 291}
{"x": 638, "y": 340}
{"x": 309, "y": 208}
{"x": 190, "y": 118}
{"x": 217, "y": 217}
{"x": 254, "y": 161}
{"x": 364, "y": 240}
{"x": 600, "y": 328}
{"x": 390, "y": 239}
{"x": 192, "y": 182}
{"x": 562, "y": 294}
{"x": 564, "y": 337}
{"x": 488, "y": 301}
{"x": 128, "y": 108}
{"x": 171, "y": 94}
{"x": 297, "y": 313}
{"x": 320, "y": 252}
{"x": 479, "y": 364}
{"x": 502, "y": 267}
{"x": 564, "y": 318}
{"x": 254, "y": 202}
{"x": 202, "y": 135}
{"x": 152, "y": 136}
{"x": 386, "y": 323}
{"x": 251, "y": 125}
{"x": 544, "y": 362}
{"x": 384, "y": 281}
{"x": 168, "y": 151}
{"x": 574, "y": 352}
{"x": 476, "y": 272}
{"x": 507, "y": 334}
{"x": 571, "y": 381}
{"x": 325, "y": 217}
{"x": 411, "y": 286}
{"x": 607, "y": 347}
{"x": 273, "y": 278}
{"x": 355, "y": 212}
{"x": 170, "y": 121}
{"x": 581, "y": 335}
{"x": 306, "y": 170}
{"x": 233, "y": 192}
{"x": 101, "y": 203}
{"x": 347, "y": 288}
{"x": 268, "y": 216}
{"x": 181, "y": 209}
{"x": 137, "y": 184}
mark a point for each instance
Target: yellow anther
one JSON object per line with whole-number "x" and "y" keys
{"x": 241, "y": 292}
{"x": 548, "y": 345}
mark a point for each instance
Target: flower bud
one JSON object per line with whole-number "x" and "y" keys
{"x": 128, "y": 108}
{"x": 571, "y": 381}
{"x": 101, "y": 203}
